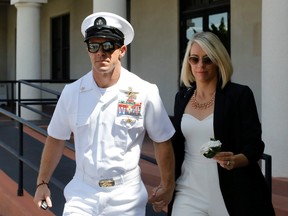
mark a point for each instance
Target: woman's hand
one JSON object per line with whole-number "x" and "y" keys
{"x": 225, "y": 159}
{"x": 229, "y": 161}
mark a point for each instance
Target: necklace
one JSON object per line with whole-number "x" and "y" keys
{"x": 201, "y": 106}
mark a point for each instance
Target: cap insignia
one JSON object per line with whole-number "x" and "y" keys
{"x": 100, "y": 21}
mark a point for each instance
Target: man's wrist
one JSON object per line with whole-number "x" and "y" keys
{"x": 42, "y": 183}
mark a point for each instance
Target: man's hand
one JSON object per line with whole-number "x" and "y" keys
{"x": 42, "y": 193}
{"x": 161, "y": 197}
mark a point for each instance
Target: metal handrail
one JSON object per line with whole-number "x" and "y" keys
{"x": 268, "y": 170}
{"x": 11, "y": 101}
{"x": 57, "y": 93}
{"x": 26, "y": 102}
{"x": 51, "y": 91}
{"x": 19, "y": 154}
{"x": 21, "y": 158}
{"x": 22, "y": 122}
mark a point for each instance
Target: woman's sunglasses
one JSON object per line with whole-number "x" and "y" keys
{"x": 107, "y": 46}
{"x": 193, "y": 60}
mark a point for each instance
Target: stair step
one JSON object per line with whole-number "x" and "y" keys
{"x": 280, "y": 186}
{"x": 280, "y": 204}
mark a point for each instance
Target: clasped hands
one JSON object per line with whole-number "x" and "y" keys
{"x": 160, "y": 198}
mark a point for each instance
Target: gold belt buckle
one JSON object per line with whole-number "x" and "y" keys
{"x": 106, "y": 183}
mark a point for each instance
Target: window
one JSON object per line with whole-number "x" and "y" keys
{"x": 204, "y": 15}
{"x": 217, "y": 23}
{"x": 60, "y": 27}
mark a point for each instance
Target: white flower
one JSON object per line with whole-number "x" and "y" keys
{"x": 210, "y": 148}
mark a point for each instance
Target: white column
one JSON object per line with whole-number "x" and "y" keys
{"x": 114, "y": 6}
{"x": 275, "y": 83}
{"x": 28, "y": 61}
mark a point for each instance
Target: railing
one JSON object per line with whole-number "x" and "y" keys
{"x": 34, "y": 84}
{"x": 26, "y": 103}
{"x": 7, "y": 94}
{"x": 268, "y": 170}
{"x": 12, "y": 103}
{"x": 19, "y": 154}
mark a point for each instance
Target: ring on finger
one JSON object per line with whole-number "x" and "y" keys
{"x": 228, "y": 163}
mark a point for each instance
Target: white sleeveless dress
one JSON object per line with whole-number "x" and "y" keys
{"x": 197, "y": 189}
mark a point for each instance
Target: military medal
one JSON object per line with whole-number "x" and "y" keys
{"x": 131, "y": 95}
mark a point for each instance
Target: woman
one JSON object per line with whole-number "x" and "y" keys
{"x": 207, "y": 106}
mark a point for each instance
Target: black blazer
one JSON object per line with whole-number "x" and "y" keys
{"x": 236, "y": 124}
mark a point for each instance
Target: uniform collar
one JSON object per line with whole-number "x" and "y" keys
{"x": 129, "y": 81}
{"x": 125, "y": 81}
{"x": 87, "y": 82}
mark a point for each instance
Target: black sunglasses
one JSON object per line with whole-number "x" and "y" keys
{"x": 107, "y": 46}
{"x": 193, "y": 60}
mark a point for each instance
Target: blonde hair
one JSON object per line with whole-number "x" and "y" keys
{"x": 215, "y": 50}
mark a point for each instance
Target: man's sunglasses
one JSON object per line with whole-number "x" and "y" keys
{"x": 193, "y": 60}
{"x": 107, "y": 46}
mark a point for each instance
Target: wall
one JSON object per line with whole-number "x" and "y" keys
{"x": 274, "y": 83}
{"x": 79, "y": 60}
{"x": 246, "y": 45}
{"x": 154, "y": 51}
{"x": 3, "y": 42}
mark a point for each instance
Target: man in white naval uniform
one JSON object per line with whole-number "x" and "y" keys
{"x": 108, "y": 110}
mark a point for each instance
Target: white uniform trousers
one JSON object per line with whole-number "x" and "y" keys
{"x": 85, "y": 197}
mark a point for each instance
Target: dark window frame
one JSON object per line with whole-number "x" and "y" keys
{"x": 60, "y": 47}
{"x": 201, "y": 8}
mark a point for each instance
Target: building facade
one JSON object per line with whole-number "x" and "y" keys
{"x": 30, "y": 31}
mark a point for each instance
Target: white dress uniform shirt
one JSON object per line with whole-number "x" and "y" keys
{"x": 108, "y": 132}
